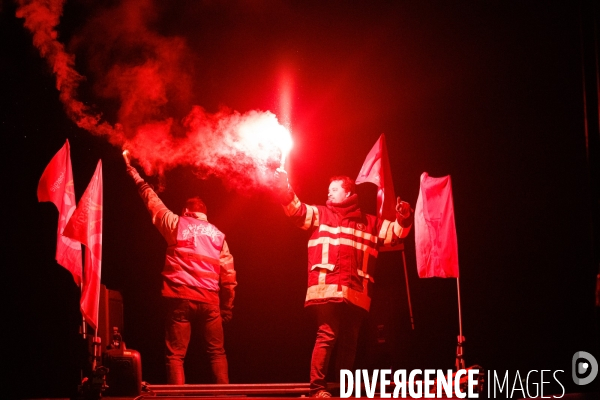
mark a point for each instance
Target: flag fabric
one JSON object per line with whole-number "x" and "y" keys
{"x": 435, "y": 230}
{"x": 85, "y": 226}
{"x": 56, "y": 185}
{"x": 376, "y": 169}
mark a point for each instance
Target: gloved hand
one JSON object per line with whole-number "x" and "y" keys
{"x": 281, "y": 179}
{"x": 282, "y": 189}
{"x": 226, "y": 315}
{"x": 403, "y": 213}
{"x": 134, "y": 174}
{"x": 402, "y": 208}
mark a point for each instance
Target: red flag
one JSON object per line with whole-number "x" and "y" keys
{"x": 56, "y": 185}
{"x": 435, "y": 231}
{"x": 376, "y": 169}
{"x": 85, "y": 226}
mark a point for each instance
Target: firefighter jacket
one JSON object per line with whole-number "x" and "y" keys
{"x": 198, "y": 265}
{"x": 342, "y": 249}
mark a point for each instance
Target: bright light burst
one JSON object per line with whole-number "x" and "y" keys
{"x": 264, "y": 136}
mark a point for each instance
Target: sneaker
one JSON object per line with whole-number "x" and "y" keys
{"x": 322, "y": 393}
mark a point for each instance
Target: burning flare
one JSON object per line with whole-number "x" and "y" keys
{"x": 126, "y": 157}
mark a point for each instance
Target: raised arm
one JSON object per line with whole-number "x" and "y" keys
{"x": 302, "y": 215}
{"x": 163, "y": 219}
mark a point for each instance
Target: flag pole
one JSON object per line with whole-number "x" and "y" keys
{"x": 412, "y": 320}
{"x": 83, "y": 327}
{"x": 460, "y": 361}
{"x": 83, "y": 324}
{"x": 96, "y": 350}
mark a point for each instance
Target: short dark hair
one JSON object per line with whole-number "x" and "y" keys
{"x": 347, "y": 183}
{"x": 195, "y": 204}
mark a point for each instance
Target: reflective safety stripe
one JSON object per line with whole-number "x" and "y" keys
{"x": 390, "y": 234}
{"x": 196, "y": 257}
{"x": 325, "y": 253}
{"x": 329, "y": 267}
{"x": 349, "y": 231}
{"x": 322, "y": 275}
{"x": 291, "y": 208}
{"x": 384, "y": 228}
{"x": 173, "y": 267}
{"x": 387, "y": 231}
{"x": 308, "y": 218}
{"x": 325, "y": 291}
{"x": 312, "y": 214}
{"x": 365, "y": 275}
{"x": 338, "y": 241}
{"x": 309, "y": 214}
{"x": 316, "y": 217}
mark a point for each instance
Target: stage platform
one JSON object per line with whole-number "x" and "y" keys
{"x": 266, "y": 391}
{"x": 148, "y": 396}
{"x": 188, "y": 395}
{"x": 232, "y": 390}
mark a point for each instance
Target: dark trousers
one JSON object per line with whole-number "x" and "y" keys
{"x": 338, "y": 326}
{"x": 180, "y": 315}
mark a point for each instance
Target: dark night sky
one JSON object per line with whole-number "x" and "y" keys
{"x": 489, "y": 92}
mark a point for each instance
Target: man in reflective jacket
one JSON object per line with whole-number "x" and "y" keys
{"x": 342, "y": 250}
{"x": 198, "y": 281}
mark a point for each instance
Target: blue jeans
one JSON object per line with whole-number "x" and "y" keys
{"x": 338, "y": 325}
{"x": 180, "y": 315}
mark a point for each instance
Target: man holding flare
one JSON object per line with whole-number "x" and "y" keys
{"x": 198, "y": 280}
{"x": 342, "y": 250}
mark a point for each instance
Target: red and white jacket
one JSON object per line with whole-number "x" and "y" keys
{"x": 198, "y": 264}
{"x": 194, "y": 259}
{"x": 343, "y": 247}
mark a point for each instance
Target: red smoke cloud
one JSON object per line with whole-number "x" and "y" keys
{"x": 148, "y": 75}
{"x": 41, "y": 18}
